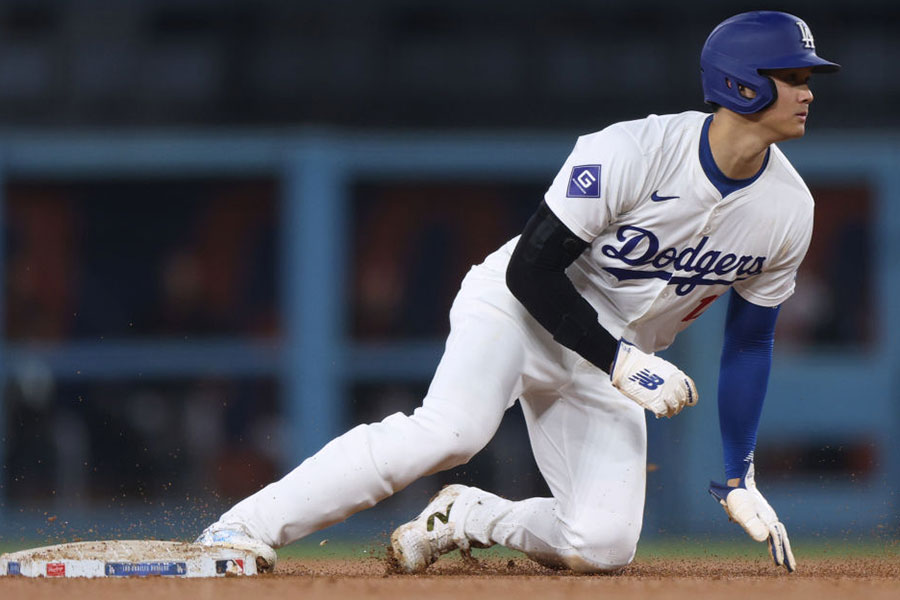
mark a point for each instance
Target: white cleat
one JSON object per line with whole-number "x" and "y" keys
{"x": 234, "y": 536}
{"x": 418, "y": 543}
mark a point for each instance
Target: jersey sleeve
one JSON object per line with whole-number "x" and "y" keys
{"x": 776, "y": 282}
{"x": 600, "y": 179}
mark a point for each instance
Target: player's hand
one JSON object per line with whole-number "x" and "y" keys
{"x": 652, "y": 382}
{"x": 746, "y": 506}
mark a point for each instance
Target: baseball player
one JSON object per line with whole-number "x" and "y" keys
{"x": 646, "y": 224}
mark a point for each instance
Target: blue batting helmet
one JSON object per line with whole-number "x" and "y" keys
{"x": 740, "y": 47}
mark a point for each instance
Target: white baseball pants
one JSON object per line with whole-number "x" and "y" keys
{"x": 589, "y": 442}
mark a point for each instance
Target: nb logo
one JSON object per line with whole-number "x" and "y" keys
{"x": 645, "y": 378}
{"x": 443, "y": 517}
{"x": 806, "y": 36}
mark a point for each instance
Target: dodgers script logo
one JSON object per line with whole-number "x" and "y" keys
{"x": 641, "y": 247}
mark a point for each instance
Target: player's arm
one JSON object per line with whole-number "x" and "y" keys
{"x": 743, "y": 379}
{"x": 536, "y": 276}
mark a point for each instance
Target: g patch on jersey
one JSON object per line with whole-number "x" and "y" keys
{"x": 584, "y": 182}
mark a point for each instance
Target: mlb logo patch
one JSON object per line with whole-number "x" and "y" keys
{"x": 230, "y": 567}
{"x": 584, "y": 182}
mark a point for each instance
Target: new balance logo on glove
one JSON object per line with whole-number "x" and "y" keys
{"x": 647, "y": 379}
{"x": 652, "y": 382}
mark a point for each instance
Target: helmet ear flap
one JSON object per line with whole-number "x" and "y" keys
{"x": 765, "y": 93}
{"x": 773, "y": 92}
{"x": 774, "y": 89}
{"x": 721, "y": 86}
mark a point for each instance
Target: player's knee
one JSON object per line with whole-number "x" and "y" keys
{"x": 601, "y": 547}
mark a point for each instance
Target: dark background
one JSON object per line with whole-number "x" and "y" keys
{"x": 404, "y": 63}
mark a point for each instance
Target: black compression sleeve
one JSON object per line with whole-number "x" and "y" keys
{"x": 537, "y": 278}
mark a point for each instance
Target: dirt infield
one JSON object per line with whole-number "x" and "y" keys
{"x": 501, "y": 579}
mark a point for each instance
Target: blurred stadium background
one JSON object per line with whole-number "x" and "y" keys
{"x": 232, "y": 230}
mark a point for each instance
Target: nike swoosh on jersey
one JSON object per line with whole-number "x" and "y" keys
{"x": 657, "y": 198}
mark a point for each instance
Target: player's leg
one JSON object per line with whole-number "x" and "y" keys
{"x": 590, "y": 445}
{"x": 478, "y": 377}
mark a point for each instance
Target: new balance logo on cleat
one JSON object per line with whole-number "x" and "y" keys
{"x": 443, "y": 517}
{"x": 418, "y": 543}
{"x": 645, "y": 378}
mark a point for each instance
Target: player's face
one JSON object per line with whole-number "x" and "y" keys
{"x": 786, "y": 118}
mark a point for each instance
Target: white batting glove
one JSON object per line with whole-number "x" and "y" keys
{"x": 746, "y": 506}
{"x": 652, "y": 382}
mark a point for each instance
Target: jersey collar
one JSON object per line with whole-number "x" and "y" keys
{"x": 724, "y": 184}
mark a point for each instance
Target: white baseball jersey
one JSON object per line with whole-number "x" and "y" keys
{"x": 665, "y": 244}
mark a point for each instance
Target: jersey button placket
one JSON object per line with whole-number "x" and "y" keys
{"x": 712, "y": 215}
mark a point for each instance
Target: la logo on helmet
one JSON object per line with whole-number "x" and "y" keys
{"x": 806, "y": 35}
